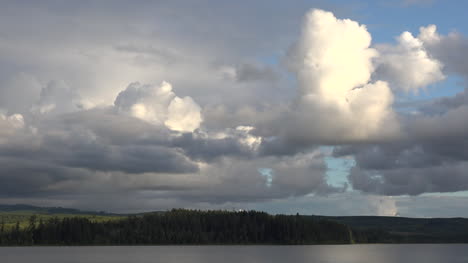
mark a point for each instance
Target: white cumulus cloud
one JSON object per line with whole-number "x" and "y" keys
{"x": 160, "y": 105}
{"x": 337, "y": 101}
{"x": 408, "y": 66}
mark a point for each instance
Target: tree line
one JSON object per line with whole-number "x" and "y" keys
{"x": 180, "y": 227}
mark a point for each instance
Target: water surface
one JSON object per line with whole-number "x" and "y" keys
{"x": 234, "y": 254}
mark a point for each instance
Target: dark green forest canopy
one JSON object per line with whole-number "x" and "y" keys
{"x": 181, "y": 226}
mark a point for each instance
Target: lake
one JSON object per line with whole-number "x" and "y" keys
{"x": 234, "y": 254}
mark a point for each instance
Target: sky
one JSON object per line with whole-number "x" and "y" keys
{"x": 313, "y": 107}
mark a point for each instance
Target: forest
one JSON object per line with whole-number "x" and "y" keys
{"x": 179, "y": 227}
{"x": 26, "y": 226}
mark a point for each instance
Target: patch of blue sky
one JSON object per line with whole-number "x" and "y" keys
{"x": 446, "y": 88}
{"x": 394, "y": 17}
{"x": 409, "y": 102}
{"x": 268, "y": 174}
{"x": 337, "y": 168}
{"x": 271, "y": 60}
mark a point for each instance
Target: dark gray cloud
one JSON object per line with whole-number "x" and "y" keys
{"x": 85, "y": 146}
{"x": 427, "y": 161}
{"x": 128, "y": 159}
{"x": 443, "y": 105}
{"x": 102, "y": 150}
{"x": 206, "y": 149}
{"x": 31, "y": 178}
{"x": 449, "y": 49}
{"x": 411, "y": 181}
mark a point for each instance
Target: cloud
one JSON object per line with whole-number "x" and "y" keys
{"x": 138, "y": 159}
{"x": 329, "y": 47}
{"x": 19, "y": 92}
{"x": 58, "y": 98}
{"x": 73, "y": 130}
{"x": 383, "y": 205}
{"x": 232, "y": 180}
{"x": 430, "y": 160}
{"x": 76, "y": 141}
{"x": 430, "y": 156}
{"x": 449, "y": 49}
{"x": 449, "y": 124}
{"x": 159, "y": 105}
{"x": 249, "y": 72}
{"x": 9, "y": 125}
{"x": 336, "y": 101}
{"x": 408, "y": 66}
{"x": 104, "y": 150}
{"x": 449, "y": 177}
{"x": 207, "y": 147}
{"x": 150, "y": 54}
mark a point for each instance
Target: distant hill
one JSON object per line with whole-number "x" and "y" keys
{"x": 48, "y": 210}
{"x": 409, "y": 230}
{"x": 10, "y": 215}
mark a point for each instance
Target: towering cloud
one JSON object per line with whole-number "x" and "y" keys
{"x": 337, "y": 102}
{"x": 332, "y": 56}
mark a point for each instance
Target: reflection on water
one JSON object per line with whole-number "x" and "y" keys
{"x": 231, "y": 254}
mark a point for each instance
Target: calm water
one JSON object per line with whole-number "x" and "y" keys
{"x": 231, "y": 254}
